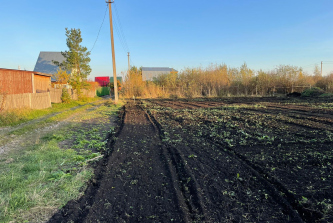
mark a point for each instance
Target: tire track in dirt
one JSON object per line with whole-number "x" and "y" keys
{"x": 13, "y": 142}
{"x": 139, "y": 180}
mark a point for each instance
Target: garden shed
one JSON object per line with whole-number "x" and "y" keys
{"x": 21, "y": 81}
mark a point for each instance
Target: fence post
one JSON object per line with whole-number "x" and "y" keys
{"x": 30, "y": 103}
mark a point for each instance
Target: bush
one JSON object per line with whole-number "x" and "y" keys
{"x": 313, "y": 92}
{"x": 65, "y": 97}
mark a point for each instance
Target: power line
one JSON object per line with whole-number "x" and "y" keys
{"x": 120, "y": 37}
{"x": 120, "y": 26}
{"x": 120, "y": 33}
{"x": 100, "y": 28}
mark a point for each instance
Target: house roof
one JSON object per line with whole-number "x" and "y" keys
{"x": 120, "y": 79}
{"x": 26, "y": 71}
{"x": 44, "y": 62}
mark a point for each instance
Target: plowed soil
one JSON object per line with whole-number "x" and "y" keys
{"x": 216, "y": 160}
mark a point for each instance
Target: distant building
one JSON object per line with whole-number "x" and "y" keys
{"x": 149, "y": 73}
{"x": 102, "y": 81}
{"x": 120, "y": 79}
{"x": 44, "y": 62}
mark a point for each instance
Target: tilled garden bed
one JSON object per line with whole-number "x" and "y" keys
{"x": 232, "y": 160}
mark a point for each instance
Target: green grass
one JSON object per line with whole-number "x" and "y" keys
{"x": 41, "y": 179}
{"x": 18, "y": 116}
{"x": 326, "y": 95}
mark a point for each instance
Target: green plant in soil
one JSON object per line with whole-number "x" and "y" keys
{"x": 291, "y": 147}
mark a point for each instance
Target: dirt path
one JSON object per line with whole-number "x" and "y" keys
{"x": 10, "y": 142}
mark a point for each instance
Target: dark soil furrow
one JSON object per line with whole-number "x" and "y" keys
{"x": 303, "y": 110}
{"x": 306, "y": 214}
{"x": 169, "y": 104}
{"x": 183, "y": 161}
{"x": 135, "y": 182}
{"x": 210, "y": 169}
{"x": 186, "y": 181}
{"x": 322, "y": 119}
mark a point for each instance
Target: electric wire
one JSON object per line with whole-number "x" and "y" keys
{"x": 120, "y": 32}
{"x": 100, "y": 28}
{"x": 120, "y": 27}
{"x": 119, "y": 36}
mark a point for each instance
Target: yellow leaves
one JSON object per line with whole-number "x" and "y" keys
{"x": 62, "y": 76}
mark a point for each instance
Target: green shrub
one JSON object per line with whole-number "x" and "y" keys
{"x": 312, "y": 92}
{"x": 65, "y": 97}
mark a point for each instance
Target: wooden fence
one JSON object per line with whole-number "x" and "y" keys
{"x": 28, "y": 100}
{"x": 56, "y": 94}
{"x": 38, "y": 100}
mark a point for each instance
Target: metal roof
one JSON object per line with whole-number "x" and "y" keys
{"x": 149, "y": 73}
{"x": 44, "y": 62}
{"x": 166, "y": 69}
{"x": 27, "y": 71}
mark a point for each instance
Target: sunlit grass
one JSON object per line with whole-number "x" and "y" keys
{"x": 41, "y": 179}
{"x": 38, "y": 180}
{"x": 17, "y": 116}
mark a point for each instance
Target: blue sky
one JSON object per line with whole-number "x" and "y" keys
{"x": 174, "y": 33}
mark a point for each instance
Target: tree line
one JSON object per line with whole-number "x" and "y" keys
{"x": 222, "y": 80}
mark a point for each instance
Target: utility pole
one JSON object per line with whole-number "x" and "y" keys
{"x": 321, "y": 68}
{"x": 129, "y": 67}
{"x": 129, "y": 71}
{"x": 113, "y": 55}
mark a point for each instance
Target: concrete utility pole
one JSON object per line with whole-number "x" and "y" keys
{"x": 321, "y": 68}
{"x": 113, "y": 55}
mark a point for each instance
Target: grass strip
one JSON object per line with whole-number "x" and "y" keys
{"x": 59, "y": 117}
{"x": 36, "y": 181}
{"x": 42, "y": 178}
{"x": 17, "y": 116}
